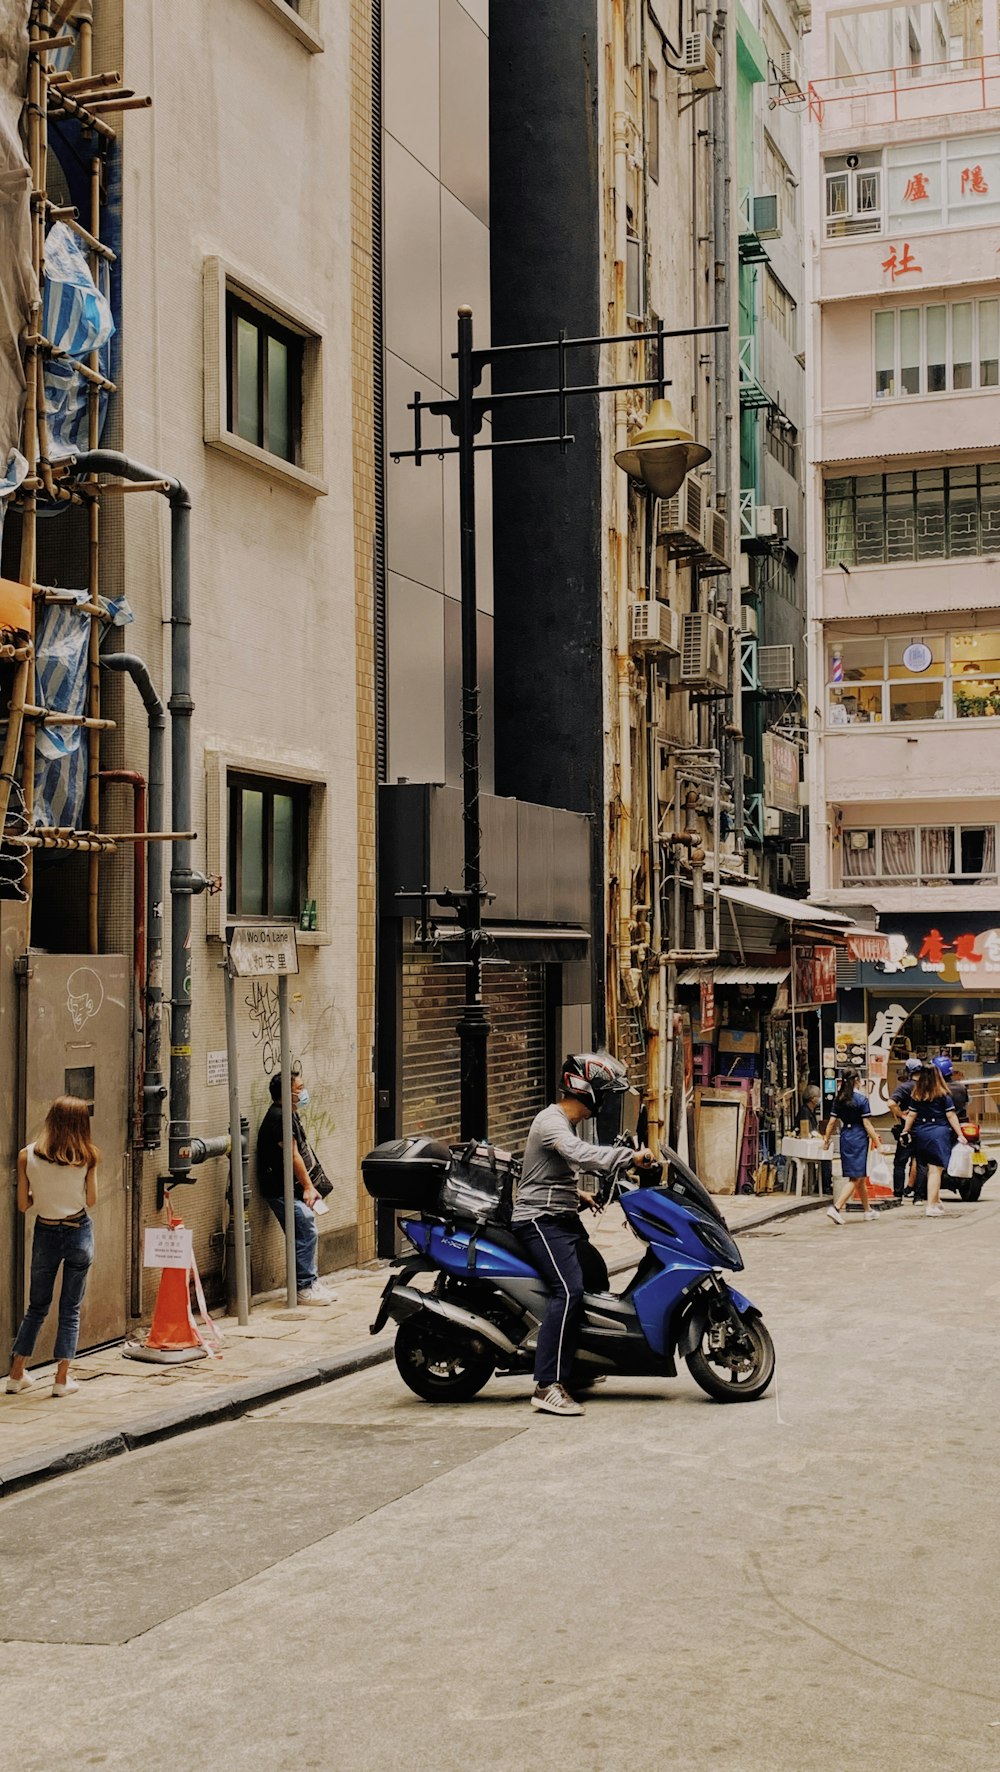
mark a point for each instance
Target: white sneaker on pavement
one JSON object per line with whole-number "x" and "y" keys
{"x": 934, "y": 1212}
{"x": 831, "y": 1212}
{"x": 19, "y": 1384}
{"x": 65, "y": 1390}
{"x": 554, "y": 1399}
{"x": 869, "y": 1214}
{"x": 318, "y": 1294}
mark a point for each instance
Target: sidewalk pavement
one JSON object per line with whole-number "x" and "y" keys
{"x": 123, "y": 1404}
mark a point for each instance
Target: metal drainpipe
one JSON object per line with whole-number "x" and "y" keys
{"x": 721, "y": 218}
{"x": 153, "y": 1089}
{"x": 183, "y": 881}
{"x": 622, "y": 938}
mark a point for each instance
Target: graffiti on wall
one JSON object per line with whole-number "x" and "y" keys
{"x": 265, "y": 1025}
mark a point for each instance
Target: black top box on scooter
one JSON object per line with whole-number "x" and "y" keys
{"x": 406, "y": 1172}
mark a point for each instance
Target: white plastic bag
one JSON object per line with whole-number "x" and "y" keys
{"x": 960, "y": 1162}
{"x": 879, "y": 1171}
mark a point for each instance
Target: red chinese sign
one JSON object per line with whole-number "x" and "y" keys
{"x": 707, "y": 988}
{"x": 916, "y": 189}
{"x": 973, "y": 182}
{"x": 815, "y": 976}
{"x": 867, "y": 947}
{"x": 900, "y": 266}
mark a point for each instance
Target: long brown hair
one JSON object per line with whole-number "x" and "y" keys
{"x": 66, "y": 1135}
{"x": 845, "y": 1089}
{"x": 929, "y": 1084}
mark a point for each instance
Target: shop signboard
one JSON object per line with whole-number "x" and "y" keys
{"x": 815, "y": 976}
{"x": 850, "y": 1041}
{"x": 781, "y": 773}
{"x": 940, "y": 951}
{"x": 707, "y": 985}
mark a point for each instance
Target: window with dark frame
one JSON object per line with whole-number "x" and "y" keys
{"x": 263, "y": 379}
{"x": 653, "y": 127}
{"x": 268, "y": 846}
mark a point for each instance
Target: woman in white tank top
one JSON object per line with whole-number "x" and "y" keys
{"x": 58, "y": 1176}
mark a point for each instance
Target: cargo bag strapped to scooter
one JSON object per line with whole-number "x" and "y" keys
{"x": 479, "y": 1184}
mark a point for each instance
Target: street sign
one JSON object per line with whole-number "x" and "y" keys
{"x": 263, "y": 949}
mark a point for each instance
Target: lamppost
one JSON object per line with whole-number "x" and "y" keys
{"x": 660, "y": 456}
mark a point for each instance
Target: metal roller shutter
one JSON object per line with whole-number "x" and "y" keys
{"x": 433, "y": 996}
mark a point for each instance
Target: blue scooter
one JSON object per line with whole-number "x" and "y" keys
{"x": 481, "y": 1315}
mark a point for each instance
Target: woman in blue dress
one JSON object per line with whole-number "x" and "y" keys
{"x": 936, "y": 1130}
{"x": 852, "y": 1111}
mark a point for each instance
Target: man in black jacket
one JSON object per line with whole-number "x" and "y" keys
{"x": 271, "y": 1176}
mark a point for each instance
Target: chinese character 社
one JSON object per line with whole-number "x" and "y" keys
{"x": 916, "y": 189}
{"x": 973, "y": 181}
{"x": 898, "y": 267}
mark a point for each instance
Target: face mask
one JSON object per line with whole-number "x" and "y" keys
{"x": 303, "y": 1098}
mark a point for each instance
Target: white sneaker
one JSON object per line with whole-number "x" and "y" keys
{"x": 65, "y": 1390}
{"x": 318, "y": 1294}
{"x": 869, "y": 1214}
{"x": 554, "y": 1399}
{"x": 19, "y": 1384}
{"x": 831, "y": 1212}
{"x": 934, "y": 1212}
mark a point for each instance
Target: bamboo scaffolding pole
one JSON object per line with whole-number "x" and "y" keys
{"x": 69, "y": 216}
{"x": 125, "y": 486}
{"x": 93, "y": 590}
{"x": 64, "y": 81}
{"x": 17, "y": 653}
{"x": 62, "y": 13}
{"x": 86, "y": 118}
{"x": 48, "y": 717}
{"x": 91, "y": 845}
{"x": 127, "y": 101}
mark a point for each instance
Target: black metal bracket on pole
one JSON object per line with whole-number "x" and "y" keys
{"x": 465, "y": 416}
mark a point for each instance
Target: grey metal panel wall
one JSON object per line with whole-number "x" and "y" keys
{"x": 518, "y": 1080}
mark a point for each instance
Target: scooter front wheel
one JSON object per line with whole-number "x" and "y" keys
{"x": 738, "y": 1371}
{"x": 441, "y": 1365}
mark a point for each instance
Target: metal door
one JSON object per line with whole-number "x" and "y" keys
{"x": 74, "y": 1040}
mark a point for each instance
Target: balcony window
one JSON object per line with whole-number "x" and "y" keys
{"x": 933, "y": 514}
{"x": 945, "y": 348}
{"x": 919, "y": 855}
{"x": 903, "y": 678}
{"x": 914, "y": 188}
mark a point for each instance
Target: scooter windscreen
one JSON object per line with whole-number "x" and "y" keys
{"x": 683, "y": 1183}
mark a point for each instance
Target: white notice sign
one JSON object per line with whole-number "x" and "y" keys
{"x": 167, "y": 1248}
{"x": 218, "y": 1067}
{"x": 263, "y": 948}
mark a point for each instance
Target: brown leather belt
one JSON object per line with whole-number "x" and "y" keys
{"x": 78, "y": 1218}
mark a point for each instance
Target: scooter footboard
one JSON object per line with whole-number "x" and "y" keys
{"x": 704, "y": 1304}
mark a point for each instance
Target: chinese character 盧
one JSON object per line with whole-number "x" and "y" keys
{"x": 916, "y": 189}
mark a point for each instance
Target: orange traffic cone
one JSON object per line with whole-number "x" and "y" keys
{"x": 172, "y": 1337}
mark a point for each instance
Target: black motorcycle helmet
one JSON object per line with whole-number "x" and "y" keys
{"x": 591, "y": 1076}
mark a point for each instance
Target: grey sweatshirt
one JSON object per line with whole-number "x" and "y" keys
{"x": 552, "y": 1157}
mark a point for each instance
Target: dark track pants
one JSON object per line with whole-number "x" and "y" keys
{"x": 566, "y": 1259}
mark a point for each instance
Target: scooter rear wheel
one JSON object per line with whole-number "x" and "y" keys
{"x": 441, "y": 1365}
{"x": 734, "y": 1374}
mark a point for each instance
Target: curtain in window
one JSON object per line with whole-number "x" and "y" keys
{"x": 839, "y": 523}
{"x": 990, "y": 850}
{"x": 859, "y": 864}
{"x": 899, "y": 854}
{"x": 937, "y": 844}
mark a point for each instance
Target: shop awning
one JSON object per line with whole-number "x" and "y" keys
{"x": 772, "y": 975}
{"x": 791, "y": 910}
{"x": 555, "y": 945}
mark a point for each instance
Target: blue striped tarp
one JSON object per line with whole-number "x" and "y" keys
{"x": 77, "y": 320}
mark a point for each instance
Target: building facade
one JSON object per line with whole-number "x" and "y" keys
{"x": 902, "y": 189}
{"x": 239, "y": 282}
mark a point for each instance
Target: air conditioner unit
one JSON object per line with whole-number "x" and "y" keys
{"x": 766, "y": 218}
{"x": 681, "y": 516}
{"x": 780, "y": 522}
{"x": 704, "y": 652}
{"x": 798, "y": 856}
{"x": 763, "y": 522}
{"x": 772, "y": 822}
{"x": 791, "y": 827}
{"x": 749, "y": 620}
{"x": 744, "y": 571}
{"x": 701, "y": 63}
{"x": 654, "y": 626}
{"x": 715, "y": 535}
{"x": 783, "y": 870}
{"x": 776, "y": 668}
{"x": 788, "y": 74}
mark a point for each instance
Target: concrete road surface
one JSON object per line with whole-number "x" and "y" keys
{"x": 357, "y": 1582}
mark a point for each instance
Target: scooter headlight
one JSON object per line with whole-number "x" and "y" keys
{"x": 716, "y": 1238}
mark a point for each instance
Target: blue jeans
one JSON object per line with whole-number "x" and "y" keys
{"x": 72, "y": 1247}
{"x": 306, "y": 1239}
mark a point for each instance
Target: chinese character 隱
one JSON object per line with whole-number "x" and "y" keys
{"x": 898, "y": 267}
{"x": 973, "y": 181}
{"x": 916, "y": 189}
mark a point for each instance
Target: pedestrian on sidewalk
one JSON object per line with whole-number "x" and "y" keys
{"x": 936, "y": 1130}
{"x": 271, "y": 1176}
{"x": 906, "y": 1172}
{"x": 57, "y": 1174}
{"x": 852, "y": 1111}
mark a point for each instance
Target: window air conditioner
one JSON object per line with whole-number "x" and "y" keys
{"x": 783, "y": 870}
{"x": 716, "y": 542}
{"x": 776, "y": 668}
{"x": 748, "y": 618}
{"x": 764, "y": 527}
{"x": 772, "y": 822}
{"x": 654, "y": 626}
{"x": 704, "y": 652}
{"x": 701, "y": 63}
{"x": 766, "y": 218}
{"x": 788, "y": 74}
{"x": 791, "y": 826}
{"x": 798, "y": 856}
{"x": 681, "y": 516}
